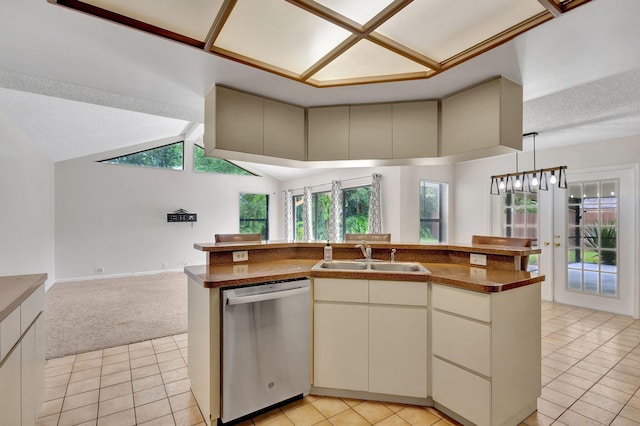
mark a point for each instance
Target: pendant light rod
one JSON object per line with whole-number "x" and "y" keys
{"x": 549, "y": 169}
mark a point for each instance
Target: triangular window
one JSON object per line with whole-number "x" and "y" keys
{"x": 163, "y": 157}
{"x": 215, "y": 165}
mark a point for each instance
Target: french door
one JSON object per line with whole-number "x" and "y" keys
{"x": 587, "y": 236}
{"x": 592, "y": 246}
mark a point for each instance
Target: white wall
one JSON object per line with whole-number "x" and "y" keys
{"x": 399, "y": 193}
{"x": 474, "y": 204}
{"x": 26, "y": 206}
{"x": 115, "y": 216}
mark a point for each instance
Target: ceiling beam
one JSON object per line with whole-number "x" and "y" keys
{"x": 218, "y": 23}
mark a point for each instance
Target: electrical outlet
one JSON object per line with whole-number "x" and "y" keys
{"x": 99, "y": 269}
{"x": 165, "y": 265}
{"x": 185, "y": 263}
{"x": 478, "y": 259}
{"x": 240, "y": 256}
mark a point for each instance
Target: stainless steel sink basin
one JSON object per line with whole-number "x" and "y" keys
{"x": 351, "y": 266}
{"x": 397, "y": 267}
{"x": 370, "y": 267}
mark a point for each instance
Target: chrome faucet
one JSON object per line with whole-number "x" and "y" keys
{"x": 393, "y": 255}
{"x": 365, "y": 249}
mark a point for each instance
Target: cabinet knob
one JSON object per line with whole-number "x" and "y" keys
{"x": 546, "y": 243}
{"x": 557, "y": 244}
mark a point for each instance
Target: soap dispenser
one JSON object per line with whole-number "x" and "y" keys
{"x": 328, "y": 252}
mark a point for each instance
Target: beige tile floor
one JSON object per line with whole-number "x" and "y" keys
{"x": 590, "y": 376}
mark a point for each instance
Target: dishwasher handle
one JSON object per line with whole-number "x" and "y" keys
{"x": 266, "y": 296}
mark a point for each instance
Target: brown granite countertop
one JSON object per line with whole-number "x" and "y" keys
{"x": 461, "y": 276}
{"x": 469, "y": 248}
{"x": 15, "y": 289}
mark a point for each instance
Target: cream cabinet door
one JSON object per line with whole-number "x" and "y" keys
{"x": 370, "y": 132}
{"x": 239, "y": 121}
{"x": 10, "y": 411}
{"x": 398, "y": 350}
{"x": 29, "y": 377}
{"x": 284, "y": 130}
{"x": 328, "y": 133}
{"x": 415, "y": 129}
{"x": 341, "y": 346}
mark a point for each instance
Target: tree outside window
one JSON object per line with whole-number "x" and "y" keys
{"x": 355, "y": 210}
{"x": 254, "y": 214}
{"x": 215, "y": 165}
{"x": 298, "y": 214}
{"x": 163, "y": 157}
{"x": 321, "y": 207}
{"x": 431, "y": 217}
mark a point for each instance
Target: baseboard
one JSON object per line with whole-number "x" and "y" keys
{"x": 102, "y": 276}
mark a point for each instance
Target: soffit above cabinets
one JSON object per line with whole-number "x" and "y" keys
{"x": 328, "y": 43}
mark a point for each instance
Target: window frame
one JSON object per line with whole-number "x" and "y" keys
{"x": 441, "y": 210}
{"x": 107, "y": 160}
{"x": 265, "y": 235}
{"x": 247, "y": 172}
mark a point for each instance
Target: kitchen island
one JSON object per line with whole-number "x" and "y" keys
{"x": 462, "y": 338}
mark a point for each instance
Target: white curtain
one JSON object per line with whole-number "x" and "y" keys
{"x": 335, "y": 212}
{"x": 375, "y": 218}
{"x": 288, "y": 215}
{"x": 307, "y": 215}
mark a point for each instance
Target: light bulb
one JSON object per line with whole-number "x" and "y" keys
{"x": 553, "y": 180}
{"x": 502, "y": 185}
{"x": 518, "y": 184}
{"x": 534, "y": 181}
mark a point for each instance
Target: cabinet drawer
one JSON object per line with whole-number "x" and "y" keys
{"x": 462, "y": 392}
{"x": 465, "y": 342}
{"x": 337, "y": 290}
{"x": 9, "y": 332}
{"x": 398, "y": 293}
{"x": 30, "y": 308}
{"x": 462, "y": 302}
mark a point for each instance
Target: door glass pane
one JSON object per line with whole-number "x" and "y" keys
{"x": 520, "y": 220}
{"x": 592, "y": 243}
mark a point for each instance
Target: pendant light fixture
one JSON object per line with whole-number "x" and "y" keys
{"x": 531, "y": 180}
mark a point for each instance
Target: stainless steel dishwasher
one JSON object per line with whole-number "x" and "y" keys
{"x": 265, "y": 346}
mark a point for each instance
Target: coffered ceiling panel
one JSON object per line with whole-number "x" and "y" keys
{"x": 367, "y": 60}
{"x": 441, "y": 29}
{"x": 191, "y": 18}
{"x": 335, "y": 42}
{"x": 278, "y": 34}
{"x": 360, "y": 11}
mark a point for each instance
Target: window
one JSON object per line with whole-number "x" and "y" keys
{"x": 215, "y": 165}
{"x": 254, "y": 214}
{"x": 520, "y": 220}
{"x": 164, "y": 157}
{"x": 431, "y": 211}
{"x": 592, "y": 256}
{"x": 355, "y": 210}
{"x": 321, "y": 207}
{"x": 298, "y": 214}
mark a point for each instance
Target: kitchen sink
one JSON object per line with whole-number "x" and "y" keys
{"x": 397, "y": 267}
{"x": 371, "y": 267}
{"x": 351, "y": 266}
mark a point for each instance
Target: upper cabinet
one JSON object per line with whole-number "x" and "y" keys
{"x": 477, "y": 122}
{"x": 415, "y": 129}
{"x": 254, "y": 125}
{"x": 328, "y": 133}
{"x": 239, "y": 122}
{"x": 284, "y": 130}
{"x": 484, "y": 116}
{"x": 370, "y": 132}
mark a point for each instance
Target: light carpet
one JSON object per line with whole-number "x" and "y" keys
{"x": 89, "y": 315}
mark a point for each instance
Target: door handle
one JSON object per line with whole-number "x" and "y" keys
{"x": 557, "y": 244}
{"x": 546, "y": 243}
